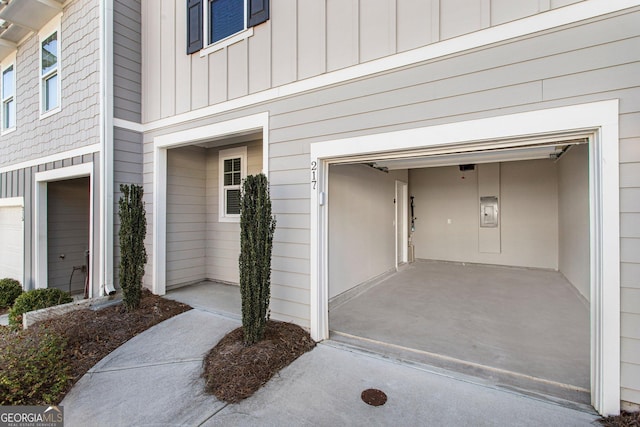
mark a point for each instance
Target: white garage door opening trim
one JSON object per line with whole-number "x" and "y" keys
{"x": 596, "y": 121}
{"x": 17, "y": 263}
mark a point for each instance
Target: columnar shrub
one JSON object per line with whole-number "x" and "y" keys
{"x": 257, "y": 226}
{"x": 10, "y": 289}
{"x": 133, "y": 256}
{"x": 36, "y": 299}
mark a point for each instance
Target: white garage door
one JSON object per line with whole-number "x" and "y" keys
{"x": 11, "y": 242}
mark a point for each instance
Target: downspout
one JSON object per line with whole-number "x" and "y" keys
{"x": 106, "y": 148}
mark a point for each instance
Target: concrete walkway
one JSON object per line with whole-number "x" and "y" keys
{"x": 154, "y": 379}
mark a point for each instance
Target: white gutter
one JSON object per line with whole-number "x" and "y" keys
{"x": 106, "y": 147}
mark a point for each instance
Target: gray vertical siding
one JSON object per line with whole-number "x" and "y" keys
{"x": 127, "y": 60}
{"x": 22, "y": 183}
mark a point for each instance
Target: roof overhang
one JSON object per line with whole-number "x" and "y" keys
{"x": 19, "y": 18}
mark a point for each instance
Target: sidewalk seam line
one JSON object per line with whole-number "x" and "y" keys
{"x": 125, "y": 368}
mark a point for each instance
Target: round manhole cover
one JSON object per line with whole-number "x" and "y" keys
{"x": 374, "y": 397}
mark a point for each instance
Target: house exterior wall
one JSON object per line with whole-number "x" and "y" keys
{"x": 68, "y": 137}
{"x": 302, "y": 39}
{"x": 77, "y": 124}
{"x": 593, "y": 60}
{"x": 21, "y": 183}
{"x": 127, "y": 60}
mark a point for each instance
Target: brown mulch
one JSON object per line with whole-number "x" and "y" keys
{"x": 92, "y": 335}
{"x": 233, "y": 371}
{"x": 625, "y": 419}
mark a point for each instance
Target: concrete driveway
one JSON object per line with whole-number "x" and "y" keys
{"x": 154, "y": 380}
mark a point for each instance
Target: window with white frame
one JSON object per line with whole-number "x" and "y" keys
{"x": 218, "y": 20}
{"x": 8, "y": 91}
{"x": 233, "y": 170}
{"x": 50, "y": 68}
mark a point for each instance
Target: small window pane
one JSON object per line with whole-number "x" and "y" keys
{"x": 228, "y": 164}
{"x": 51, "y": 92}
{"x": 9, "y": 114}
{"x": 49, "y": 53}
{"x": 7, "y": 82}
{"x": 233, "y": 202}
{"x": 226, "y": 17}
{"x": 228, "y": 179}
{"x": 236, "y": 164}
{"x": 236, "y": 178}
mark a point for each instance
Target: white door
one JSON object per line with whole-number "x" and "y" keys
{"x": 11, "y": 243}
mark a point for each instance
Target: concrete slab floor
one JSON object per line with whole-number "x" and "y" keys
{"x": 521, "y": 320}
{"x": 210, "y": 296}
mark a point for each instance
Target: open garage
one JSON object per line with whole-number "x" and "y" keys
{"x": 496, "y": 275}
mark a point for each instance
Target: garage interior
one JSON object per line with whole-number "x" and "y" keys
{"x": 499, "y": 283}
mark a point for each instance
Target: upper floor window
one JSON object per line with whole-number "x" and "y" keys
{"x": 233, "y": 170}
{"x": 219, "y": 20}
{"x": 50, "y": 68}
{"x": 8, "y": 91}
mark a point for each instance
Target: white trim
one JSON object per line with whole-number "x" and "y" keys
{"x": 87, "y": 149}
{"x": 182, "y": 138}
{"x": 12, "y": 201}
{"x": 598, "y": 121}
{"x": 522, "y": 27}
{"x": 53, "y": 26}
{"x": 106, "y": 147}
{"x": 222, "y": 205}
{"x": 40, "y": 217}
{"x": 235, "y": 38}
{"x": 128, "y": 125}
{"x": 211, "y": 46}
{"x": 9, "y": 61}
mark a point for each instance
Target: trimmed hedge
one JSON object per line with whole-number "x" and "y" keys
{"x": 36, "y": 299}
{"x": 10, "y": 289}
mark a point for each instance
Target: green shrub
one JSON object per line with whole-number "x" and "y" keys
{"x": 36, "y": 299}
{"x": 10, "y": 289}
{"x": 257, "y": 226}
{"x": 33, "y": 369}
{"x": 133, "y": 256}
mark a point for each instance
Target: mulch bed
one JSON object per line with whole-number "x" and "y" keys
{"x": 625, "y": 419}
{"x": 233, "y": 371}
{"x": 92, "y": 335}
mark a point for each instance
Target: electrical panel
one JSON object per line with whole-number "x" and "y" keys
{"x": 488, "y": 211}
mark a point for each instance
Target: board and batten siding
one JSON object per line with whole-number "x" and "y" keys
{"x": 21, "y": 183}
{"x": 594, "y": 61}
{"x": 77, "y": 124}
{"x": 301, "y": 39}
{"x": 127, "y": 60}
